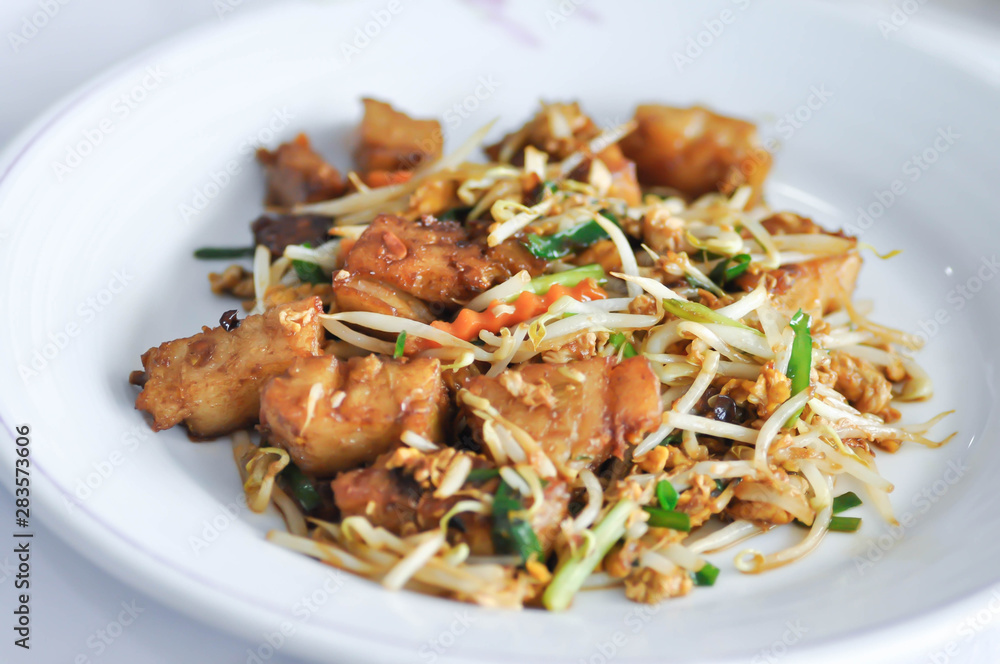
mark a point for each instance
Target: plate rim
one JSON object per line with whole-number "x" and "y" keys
{"x": 138, "y": 569}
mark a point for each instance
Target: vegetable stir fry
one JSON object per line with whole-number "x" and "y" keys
{"x": 595, "y": 358}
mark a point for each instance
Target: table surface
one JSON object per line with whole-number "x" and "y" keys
{"x": 73, "y": 601}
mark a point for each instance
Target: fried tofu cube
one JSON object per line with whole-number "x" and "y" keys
{"x": 580, "y": 413}
{"x": 333, "y": 415}
{"x": 211, "y": 382}
{"x": 392, "y": 140}
{"x": 433, "y": 261}
{"x": 696, "y": 151}
{"x": 297, "y": 174}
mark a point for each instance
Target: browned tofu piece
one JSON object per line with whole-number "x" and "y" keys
{"x": 560, "y": 130}
{"x": 333, "y": 415}
{"x": 392, "y": 140}
{"x": 296, "y": 174}
{"x": 386, "y": 497}
{"x": 817, "y": 286}
{"x": 433, "y": 261}
{"x": 212, "y": 381}
{"x": 581, "y": 412}
{"x": 696, "y": 151}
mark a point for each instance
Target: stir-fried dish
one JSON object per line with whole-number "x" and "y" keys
{"x": 589, "y": 360}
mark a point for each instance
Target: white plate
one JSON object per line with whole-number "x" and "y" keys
{"x": 97, "y": 267}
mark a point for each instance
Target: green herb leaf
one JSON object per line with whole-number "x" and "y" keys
{"x": 212, "y": 253}
{"x": 722, "y": 273}
{"x": 707, "y": 575}
{"x": 513, "y": 534}
{"x": 666, "y": 494}
{"x": 301, "y": 487}
{"x": 482, "y": 474}
{"x": 309, "y": 273}
{"x": 455, "y": 214}
{"x": 845, "y": 501}
{"x": 400, "y": 345}
{"x": 800, "y": 359}
{"x": 661, "y": 518}
{"x": 617, "y": 340}
{"x": 844, "y": 524}
{"x": 569, "y": 278}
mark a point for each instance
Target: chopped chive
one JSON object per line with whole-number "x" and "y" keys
{"x": 661, "y": 518}
{"x": 569, "y": 278}
{"x": 617, "y": 340}
{"x": 666, "y": 494}
{"x": 723, "y": 273}
{"x": 845, "y": 502}
{"x": 699, "y": 313}
{"x": 707, "y": 575}
{"x": 301, "y": 487}
{"x": 211, "y": 253}
{"x": 309, "y": 273}
{"x": 844, "y": 524}
{"x": 512, "y": 534}
{"x": 400, "y": 345}
{"x": 482, "y": 474}
{"x": 673, "y": 439}
{"x": 800, "y": 359}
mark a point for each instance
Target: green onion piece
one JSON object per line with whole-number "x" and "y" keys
{"x": 301, "y": 487}
{"x": 575, "y": 569}
{"x": 569, "y": 278}
{"x": 800, "y": 360}
{"x": 694, "y": 282}
{"x": 309, "y": 273}
{"x": 400, "y": 345}
{"x": 557, "y": 245}
{"x": 707, "y": 575}
{"x": 720, "y": 485}
{"x": 661, "y": 518}
{"x": 699, "y": 313}
{"x": 482, "y": 474}
{"x": 844, "y": 524}
{"x": 722, "y": 273}
{"x": 512, "y": 534}
{"x": 211, "y": 253}
{"x": 618, "y": 339}
{"x": 666, "y": 494}
{"x": 673, "y": 439}
{"x": 455, "y": 214}
{"x": 845, "y": 501}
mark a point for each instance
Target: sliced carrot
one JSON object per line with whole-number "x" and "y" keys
{"x": 468, "y": 324}
{"x": 376, "y": 179}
